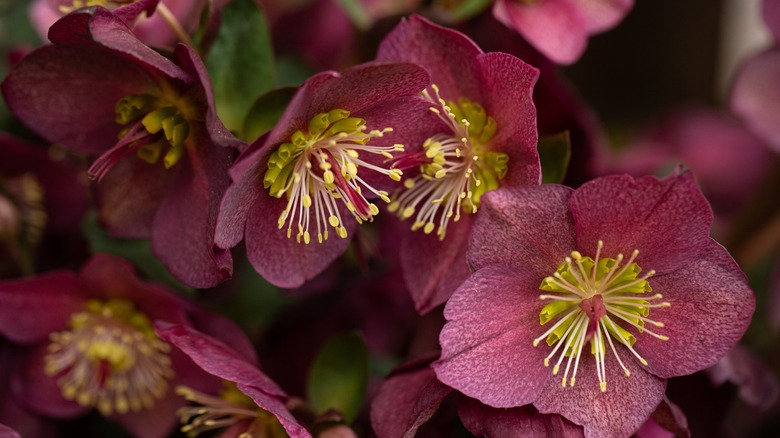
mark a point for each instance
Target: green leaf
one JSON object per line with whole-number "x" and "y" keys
{"x": 240, "y": 62}
{"x": 138, "y": 252}
{"x": 338, "y": 378}
{"x": 356, "y": 13}
{"x": 554, "y": 154}
{"x": 460, "y": 10}
{"x": 266, "y": 111}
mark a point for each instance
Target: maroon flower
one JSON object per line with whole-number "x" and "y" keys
{"x": 626, "y": 266}
{"x": 559, "y": 29}
{"x": 299, "y": 192}
{"x": 166, "y": 174}
{"x": 483, "y": 137}
{"x": 86, "y": 341}
{"x": 251, "y": 401}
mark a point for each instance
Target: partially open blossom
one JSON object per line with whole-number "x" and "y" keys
{"x": 484, "y": 138}
{"x": 86, "y": 341}
{"x": 559, "y": 29}
{"x": 165, "y": 174}
{"x": 250, "y": 403}
{"x": 583, "y": 302}
{"x": 299, "y": 192}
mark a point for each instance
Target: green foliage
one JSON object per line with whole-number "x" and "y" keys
{"x": 339, "y": 376}
{"x": 240, "y": 62}
{"x": 356, "y": 13}
{"x": 554, "y": 154}
{"x": 265, "y": 112}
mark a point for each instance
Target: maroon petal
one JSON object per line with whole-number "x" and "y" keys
{"x": 667, "y": 220}
{"x": 217, "y": 358}
{"x": 756, "y": 93}
{"x": 525, "y": 421}
{"x": 38, "y": 391}
{"x": 487, "y": 343}
{"x": 130, "y": 12}
{"x": 771, "y": 13}
{"x": 667, "y": 421}
{"x": 530, "y": 229}
{"x": 32, "y": 308}
{"x": 434, "y": 268}
{"x": 183, "y": 228}
{"x": 7, "y": 432}
{"x": 711, "y": 307}
{"x": 407, "y": 399}
{"x": 507, "y": 85}
{"x": 448, "y": 55}
{"x": 618, "y": 412}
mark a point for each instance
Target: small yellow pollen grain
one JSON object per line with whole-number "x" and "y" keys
{"x": 428, "y": 228}
{"x": 603, "y": 386}
{"x": 306, "y": 201}
{"x": 409, "y": 183}
{"x": 342, "y": 232}
{"x": 374, "y": 209}
{"x": 306, "y": 237}
{"x": 407, "y": 213}
{"x": 333, "y": 221}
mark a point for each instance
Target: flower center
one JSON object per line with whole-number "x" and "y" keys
{"x": 69, "y": 6}
{"x": 152, "y": 124}
{"x": 456, "y": 168}
{"x": 110, "y": 359}
{"x": 594, "y": 298}
{"x": 221, "y": 412}
{"x": 318, "y": 169}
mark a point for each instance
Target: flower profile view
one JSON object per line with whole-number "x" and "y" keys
{"x": 299, "y": 192}
{"x": 483, "y": 137}
{"x": 162, "y": 152}
{"x": 583, "y": 302}
{"x": 86, "y": 341}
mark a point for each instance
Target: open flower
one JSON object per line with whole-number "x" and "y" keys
{"x": 165, "y": 174}
{"x": 299, "y": 192}
{"x": 484, "y": 137}
{"x": 250, "y": 404}
{"x": 585, "y": 301}
{"x": 559, "y": 29}
{"x": 86, "y": 341}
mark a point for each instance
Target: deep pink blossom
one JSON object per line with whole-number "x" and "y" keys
{"x": 559, "y": 29}
{"x": 666, "y": 300}
{"x": 85, "y": 340}
{"x": 166, "y": 174}
{"x": 484, "y": 137}
{"x": 299, "y": 192}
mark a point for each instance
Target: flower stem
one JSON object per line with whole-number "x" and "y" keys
{"x": 174, "y": 24}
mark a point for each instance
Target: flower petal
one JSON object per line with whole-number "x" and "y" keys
{"x": 277, "y": 408}
{"x": 525, "y": 421}
{"x": 487, "y": 343}
{"x": 37, "y": 391}
{"x": 755, "y": 96}
{"x": 711, "y": 307}
{"x": 667, "y": 220}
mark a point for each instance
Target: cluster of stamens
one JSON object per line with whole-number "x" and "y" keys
{"x": 317, "y": 170}
{"x": 455, "y": 167}
{"x": 152, "y": 125}
{"x": 110, "y": 359}
{"x": 227, "y": 409}
{"x": 593, "y": 299}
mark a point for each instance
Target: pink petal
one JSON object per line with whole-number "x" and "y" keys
{"x": 7, "y": 432}
{"x": 525, "y": 421}
{"x": 771, "y": 12}
{"x": 277, "y": 408}
{"x": 755, "y": 96}
{"x": 667, "y": 220}
{"x": 711, "y": 307}
{"x": 487, "y": 343}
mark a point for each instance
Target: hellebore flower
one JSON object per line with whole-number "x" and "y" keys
{"x": 625, "y": 266}
{"x": 559, "y": 29}
{"x": 251, "y": 403}
{"x": 318, "y": 168}
{"x": 484, "y": 138}
{"x": 166, "y": 174}
{"x": 86, "y": 341}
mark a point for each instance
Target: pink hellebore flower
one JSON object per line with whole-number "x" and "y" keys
{"x": 623, "y": 266}
{"x": 559, "y": 29}
{"x": 251, "y": 402}
{"x": 165, "y": 174}
{"x": 483, "y": 137}
{"x": 87, "y": 341}
{"x": 299, "y": 192}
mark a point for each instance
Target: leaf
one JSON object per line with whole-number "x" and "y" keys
{"x": 338, "y": 378}
{"x": 138, "y": 252}
{"x": 240, "y": 62}
{"x": 356, "y": 13}
{"x": 459, "y": 11}
{"x": 554, "y": 154}
{"x": 265, "y": 112}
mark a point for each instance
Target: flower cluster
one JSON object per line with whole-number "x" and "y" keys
{"x": 245, "y": 218}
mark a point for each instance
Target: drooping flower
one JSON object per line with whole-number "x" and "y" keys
{"x": 559, "y": 29}
{"x": 165, "y": 175}
{"x": 299, "y": 192}
{"x": 250, "y": 404}
{"x": 484, "y": 138}
{"x": 86, "y": 341}
{"x": 585, "y": 301}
